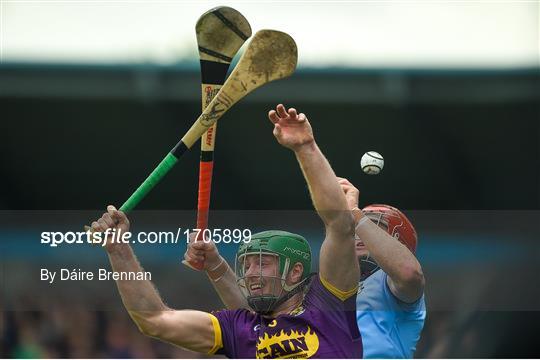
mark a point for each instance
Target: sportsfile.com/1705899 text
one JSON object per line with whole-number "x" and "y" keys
{"x": 226, "y": 236}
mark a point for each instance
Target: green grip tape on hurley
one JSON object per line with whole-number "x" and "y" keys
{"x": 159, "y": 172}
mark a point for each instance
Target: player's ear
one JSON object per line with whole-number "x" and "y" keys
{"x": 295, "y": 275}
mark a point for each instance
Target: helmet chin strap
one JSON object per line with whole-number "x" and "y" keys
{"x": 367, "y": 266}
{"x": 295, "y": 289}
{"x": 265, "y": 304}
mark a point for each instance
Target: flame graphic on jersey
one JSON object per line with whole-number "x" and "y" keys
{"x": 293, "y": 344}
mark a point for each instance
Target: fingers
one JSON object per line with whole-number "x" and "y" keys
{"x": 196, "y": 239}
{"x": 102, "y": 224}
{"x": 195, "y": 255}
{"x": 96, "y": 227}
{"x": 349, "y": 189}
{"x": 200, "y": 245}
{"x": 195, "y": 245}
{"x": 292, "y": 113}
{"x": 277, "y": 130}
{"x": 281, "y": 111}
{"x": 118, "y": 217}
{"x": 346, "y": 184}
{"x": 352, "y": 194}
{"x": 273, "y": 116}
{"x": 192, "y": 238}
{"x": 193, "y": 258}
{"x": 196, "y": 250}
{"x": 108, "y": 220}
{"x": 345, "y": 187}
{"x": 343, "y": 181}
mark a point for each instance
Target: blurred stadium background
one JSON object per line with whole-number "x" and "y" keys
{"x": 93, "y": 94}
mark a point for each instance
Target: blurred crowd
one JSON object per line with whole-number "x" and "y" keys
{"x": 68, "y": 331}
{"x": 471, "y": 314}
{"x": 78, "y": 333}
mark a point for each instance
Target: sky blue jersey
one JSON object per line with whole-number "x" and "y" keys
{"x": 390, "y": 328}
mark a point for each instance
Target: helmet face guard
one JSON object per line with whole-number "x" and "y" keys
{"x": 253, "y": 285}
{"x": 284, "y": 250}
{"x": 383, "y": 221}
{"x": 368, "y": 266}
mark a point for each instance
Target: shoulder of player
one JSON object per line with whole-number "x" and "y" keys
{"x": 319, "y": 284}
{"x": 237, "y": 320}
{"x": 236, "y": 313}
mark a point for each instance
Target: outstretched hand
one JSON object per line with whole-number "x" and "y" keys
{"x": 291, "y": 130}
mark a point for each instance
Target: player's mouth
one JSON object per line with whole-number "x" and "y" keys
{"x": 360, "y": 245}
{"x": 256, "y": 289}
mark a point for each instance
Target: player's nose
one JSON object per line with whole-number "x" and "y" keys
{"x": 252, "y": 270}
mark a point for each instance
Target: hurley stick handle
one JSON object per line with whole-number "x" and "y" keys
{"x": 155, "y": 177}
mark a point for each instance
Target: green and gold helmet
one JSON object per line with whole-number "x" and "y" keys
{"x": 289, "y": 249}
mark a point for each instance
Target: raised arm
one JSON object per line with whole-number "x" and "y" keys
{"x": 218, "y": 271}
{"x": 405, "y": 276}
{"x": 193, "y": 330}
{"x": 337, "y": 261}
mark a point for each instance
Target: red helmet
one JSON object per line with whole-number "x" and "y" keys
{"x": 394, "y": 222}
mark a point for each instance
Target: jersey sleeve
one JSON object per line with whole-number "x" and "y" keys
{"x": 224, "y": 332}
{"x": 395, "y": 303}
{"x": 340, "y": 294}
{"x": 336, "y": 306}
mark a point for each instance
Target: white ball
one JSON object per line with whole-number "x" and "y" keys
{"x": 372, "y": 163}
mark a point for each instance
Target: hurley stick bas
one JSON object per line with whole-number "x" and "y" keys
{"x": 220, "y": 33}
{"x": 271, "y": 55}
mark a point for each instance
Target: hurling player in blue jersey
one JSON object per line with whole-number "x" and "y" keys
{"x": 390, "y": 307}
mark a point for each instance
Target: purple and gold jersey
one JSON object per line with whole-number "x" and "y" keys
{"x": 324, "y": 326}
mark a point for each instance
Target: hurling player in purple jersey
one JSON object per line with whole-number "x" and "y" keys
{"x": 293, "y": 313}
{"x": 390, "y": 313}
